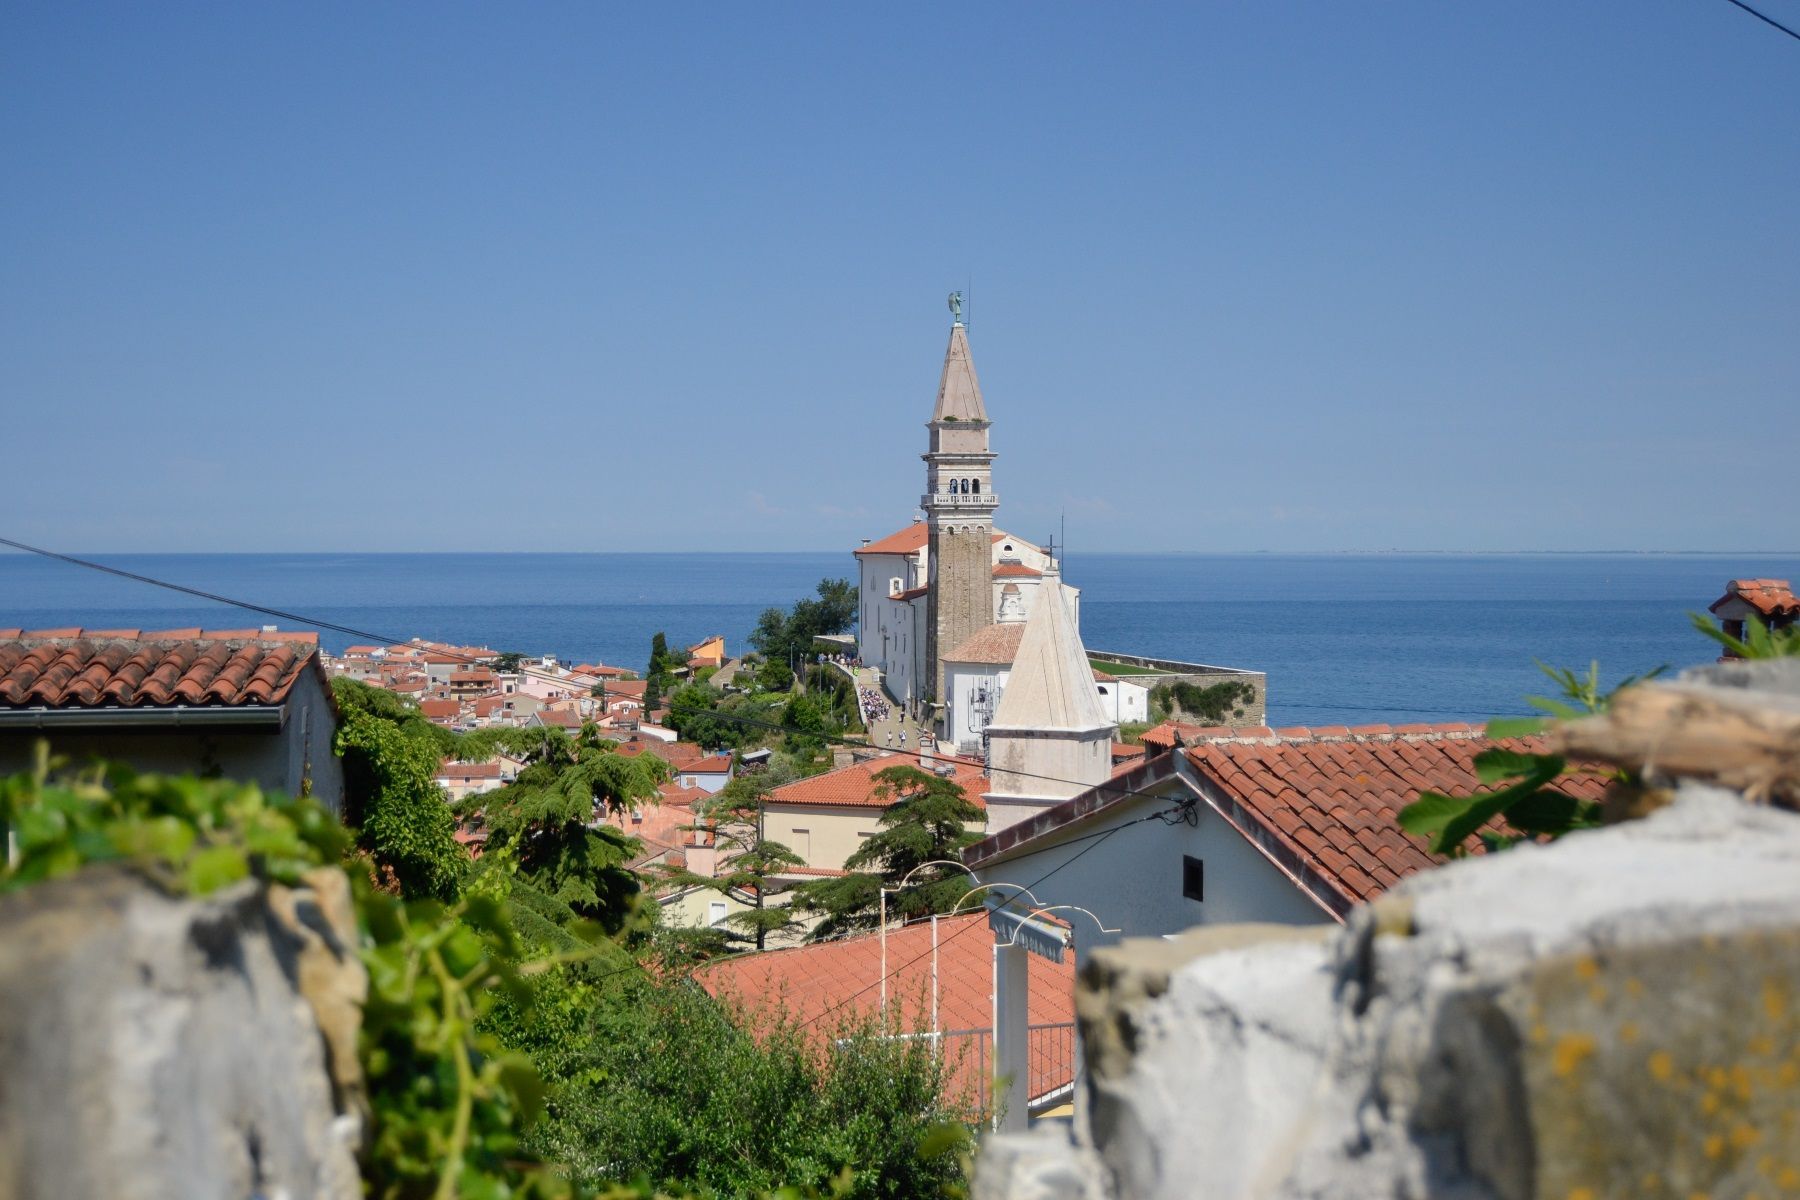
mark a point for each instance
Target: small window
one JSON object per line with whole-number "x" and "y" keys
{"x": 1193, "y": 878}
{"x": 715, "y": 912}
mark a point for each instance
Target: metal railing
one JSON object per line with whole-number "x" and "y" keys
{"x": 1049, "y": 1058}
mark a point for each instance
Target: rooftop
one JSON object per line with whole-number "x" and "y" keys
{"x": 854, "y": 786}
{"x": 1770, "y": 597}
{"x": 831, "y": 980}
{"x": 131, "y": 668}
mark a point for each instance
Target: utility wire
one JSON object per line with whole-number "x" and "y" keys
{"x": 1765, "y": 18}
{"x": 1096, "y": 838}
{"x": 384, "y": 639}
{"x": 389, "y": 640}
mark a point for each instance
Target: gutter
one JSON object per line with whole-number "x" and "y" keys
{"x": 264, "y": 717}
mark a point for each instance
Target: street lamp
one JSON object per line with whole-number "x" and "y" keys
{"x": 936, "y": 862}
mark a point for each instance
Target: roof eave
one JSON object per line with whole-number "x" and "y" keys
{"x": 268, "y": 718}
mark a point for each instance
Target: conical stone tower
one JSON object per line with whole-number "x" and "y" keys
{"x": 1050, "y": 738}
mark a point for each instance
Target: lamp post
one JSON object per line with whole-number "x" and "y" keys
{"x": 936, "y": 862}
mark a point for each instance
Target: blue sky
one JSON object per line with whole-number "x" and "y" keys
{"x": 1288, "y": 276}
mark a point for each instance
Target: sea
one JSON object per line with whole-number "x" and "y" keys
{"x": 1343, "y": 638}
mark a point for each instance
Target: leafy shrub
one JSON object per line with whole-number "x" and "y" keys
{"x": 1212, "y": 704}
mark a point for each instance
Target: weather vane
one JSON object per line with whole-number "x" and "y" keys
{"x": 956, "y": 306}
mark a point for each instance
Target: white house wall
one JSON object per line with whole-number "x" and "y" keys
{"x": 1132, "y": 880}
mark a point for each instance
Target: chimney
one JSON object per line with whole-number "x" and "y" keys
{"x": 841, "y": 756}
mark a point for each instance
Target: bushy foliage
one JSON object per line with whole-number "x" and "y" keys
{"x": 544, "y": 819}
{"x": 190, "y": 835}
{"x": 664, "y": 1083}
{"x": 1212, "y": 704}
{"x": 1758, "y": 641}
{"x": 1527, "y": 805}
{"x": 490, "y": 1052}
{"x": 788, "y": 636}
{"x": 391, "y": 755}
{"x": 750, "y": 866}
{"x": 694, "y": 713}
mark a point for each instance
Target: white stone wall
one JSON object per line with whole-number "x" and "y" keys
{"x": 1133, "y": 879}
{"x": 1125, "y": 700}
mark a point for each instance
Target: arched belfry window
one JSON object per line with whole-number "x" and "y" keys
{"x": 975, "y": 486}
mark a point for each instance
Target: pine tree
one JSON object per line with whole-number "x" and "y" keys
{"x": 927, "y": 819}
{"x": 749, "y": 865}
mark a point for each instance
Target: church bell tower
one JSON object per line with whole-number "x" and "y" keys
{"x": 959, "y": 504}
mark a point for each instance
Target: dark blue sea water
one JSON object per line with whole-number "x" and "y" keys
{"x": 1343, "y": 638}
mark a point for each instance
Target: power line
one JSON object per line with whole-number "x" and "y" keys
{"x": 1765, "y": 18}
{"x": 1096, "y": 838}
{"x": 388, "y": 639}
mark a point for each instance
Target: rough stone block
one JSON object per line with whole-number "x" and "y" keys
{"x": 163, "y": 1047}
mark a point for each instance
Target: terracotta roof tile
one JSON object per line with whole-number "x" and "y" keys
{"x": 906, "y": 541}
{"x": 1770, "y": 597}
{"x": 1329, "y": 799}
{"x": 989, "y": 644}
{"x": 76, "y": 668}
{"x": 855, "y": 786}
{"x": 829, "y": 980}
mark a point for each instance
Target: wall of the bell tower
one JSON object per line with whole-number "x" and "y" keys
{"x": 961, "y": 599}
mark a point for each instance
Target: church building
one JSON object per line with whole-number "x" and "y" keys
{"x": 971, "y": 627}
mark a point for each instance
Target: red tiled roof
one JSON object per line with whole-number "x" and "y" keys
{"x": 129, "y": 668}
{"x": 676, "y": 754}
{"x": 854, "y": 786}
{"x": 1326, "y": 803}
{"x": 712, "y": 764}
{"x": 908, "y": 594}
{"x": 1164, "y": 736}
{"x": 683, "y": 797}
{"x": 1322, "y": 803}
{"x": 562, "y": 720}
{"x": 1016, "y": 571}
{"x": 1770, "y": 597}
{"x": 440, "y": 708}
{"x": 989, "y": 644}
{"x": 907, "y": 541}
{"x": 831, "y": 980}
{"x": 627, "y": 687}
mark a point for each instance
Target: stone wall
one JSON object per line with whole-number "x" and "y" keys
{"x": 1200, "y": 674}
{"x": 1613, "y": 1015}
{"x": 162, "y": 1047}
{"x": 961, "y": 598}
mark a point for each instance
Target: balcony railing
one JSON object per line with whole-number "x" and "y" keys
{"x": 959, "y": 500}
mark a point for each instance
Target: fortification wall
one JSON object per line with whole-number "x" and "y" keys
{"x": 1200, "y": 674}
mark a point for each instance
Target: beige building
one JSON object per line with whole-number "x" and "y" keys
{"x": 825, "y": 818}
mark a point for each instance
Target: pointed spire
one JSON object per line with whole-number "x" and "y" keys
{"x": 1052, "y": 682}
{"x": 959, "y": 393}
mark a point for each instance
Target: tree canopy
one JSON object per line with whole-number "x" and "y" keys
{"x": 750, "y": 866}
{"x": 788, "y": 636}
{"x": 926, "y": 820}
